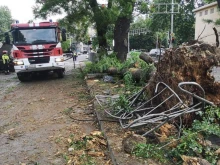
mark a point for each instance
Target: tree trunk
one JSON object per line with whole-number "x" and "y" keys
{"x": 121, "y": 38}
{"x": 145, "y": 57}
{"x": 101, "y": 32}
{"x": 100, "y": 27}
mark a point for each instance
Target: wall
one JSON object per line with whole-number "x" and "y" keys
{"x": 210, "y": 11}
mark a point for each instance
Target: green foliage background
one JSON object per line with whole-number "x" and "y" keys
{"x": 5, "y": 21}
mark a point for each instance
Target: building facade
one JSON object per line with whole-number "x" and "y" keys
{"x": 203, "y": 30}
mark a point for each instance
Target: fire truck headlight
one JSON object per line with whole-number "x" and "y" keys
{"x": 59, "y": 59}
{"x": 18, "y": 62}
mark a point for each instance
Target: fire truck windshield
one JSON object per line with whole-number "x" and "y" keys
{"x": 34, "y": 36}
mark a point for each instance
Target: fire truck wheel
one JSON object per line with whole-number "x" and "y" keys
{"x": 60, "y": 73}
{"x": 24, "y": 77}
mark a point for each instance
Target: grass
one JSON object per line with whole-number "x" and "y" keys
{"x": 68, "y": 111}
{"x": 10, "y": 89}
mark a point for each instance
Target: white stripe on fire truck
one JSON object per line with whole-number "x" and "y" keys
{"x": 40, "y": 46}
{"x": 34, "y": 47}
{"x": 31, "y": 24}
{"x": 37, "y": 24}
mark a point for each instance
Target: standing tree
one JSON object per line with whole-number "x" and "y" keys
{"x": 209, "y": 1}
{"x": 5, "y": 20}
{"x": 80, "y": 15}
{"x": 88, "y": 12}
{"x": 122, "y": 26}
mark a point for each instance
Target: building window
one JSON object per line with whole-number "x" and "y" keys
{"x": 200, "y": 13}
{"x": 211, "y": 10}
{"x": 206, "y": 12}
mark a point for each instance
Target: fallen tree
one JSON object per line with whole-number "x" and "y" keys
{"x": 167, "y": 111}
{"x": 189, "y": 63}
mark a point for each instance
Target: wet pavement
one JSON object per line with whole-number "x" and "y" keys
{"x": 32, "y": 120}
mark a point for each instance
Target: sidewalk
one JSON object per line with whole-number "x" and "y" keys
{"x": 112, "y": 130}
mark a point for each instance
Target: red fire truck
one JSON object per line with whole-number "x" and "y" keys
{"x": 37, "y": 48}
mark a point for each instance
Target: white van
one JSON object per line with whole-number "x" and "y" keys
{"x": 156, "y": 52}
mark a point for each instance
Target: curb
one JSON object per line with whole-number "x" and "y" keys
{"x": 113, "y": 159}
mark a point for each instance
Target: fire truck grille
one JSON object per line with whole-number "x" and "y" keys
{"x": 39, "y": 60}
{"x": 37, "y": 52}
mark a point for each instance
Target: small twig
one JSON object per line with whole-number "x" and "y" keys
{"x": 175, "y": 140}
{"x": 201, "y": 32}
{"x": 90, "y": 119}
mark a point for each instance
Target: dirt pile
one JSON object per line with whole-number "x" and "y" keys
{"x": 189, "y": 63}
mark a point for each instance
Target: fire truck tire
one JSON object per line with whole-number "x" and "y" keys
{"x": 60, "y": 73}
{"x": 23, "y": 77}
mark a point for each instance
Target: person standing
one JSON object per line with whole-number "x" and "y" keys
{"x": 5, "y": 59}
{"x": 74, "y": 56}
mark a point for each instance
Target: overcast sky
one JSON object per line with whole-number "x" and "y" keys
{"x": 22, "y": 9}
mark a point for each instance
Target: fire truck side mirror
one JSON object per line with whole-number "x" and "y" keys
{"x": 63, "y": 33}
{"x": 7, "y": 38}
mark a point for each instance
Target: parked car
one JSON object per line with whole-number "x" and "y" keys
{"x": 156, "y": 52}
{"x": 85, "y": 52}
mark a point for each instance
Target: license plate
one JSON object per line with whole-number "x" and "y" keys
{"x": 32, "y": 66}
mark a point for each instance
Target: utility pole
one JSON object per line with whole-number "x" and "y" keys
{"x": 157, "y": 42}
{"x": 171, "y": 29}
{"x": 163, "y": 8}
{"x": 128, "y": 43}
{"x": 70, "y": 43}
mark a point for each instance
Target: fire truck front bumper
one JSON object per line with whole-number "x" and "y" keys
{"x": 40, "y": 67}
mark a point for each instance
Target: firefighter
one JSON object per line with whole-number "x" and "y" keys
{"x": 74, "y": 56}
{"x": 5, "y": 59}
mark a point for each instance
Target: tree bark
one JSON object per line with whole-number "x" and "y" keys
{"x": 101, "y": 29}
{"x": 121, "y": 38}
{"x": 101, "y": 32}
{"x": 216, "y": 36}
{"x": 145, "y": 57}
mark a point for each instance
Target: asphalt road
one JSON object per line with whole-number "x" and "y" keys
{"x": 35, "y": 127}
{"x": 80, "y": 61}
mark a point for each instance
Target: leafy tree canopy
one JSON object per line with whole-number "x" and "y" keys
{"x": 144, "y": 41}
{"x": 5, "y": 20}
{"x": 79, "y": 14}
{"x": 209, "y": 1}
{"x": 183, "y": 21}
{"x": 117, "y": 15}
